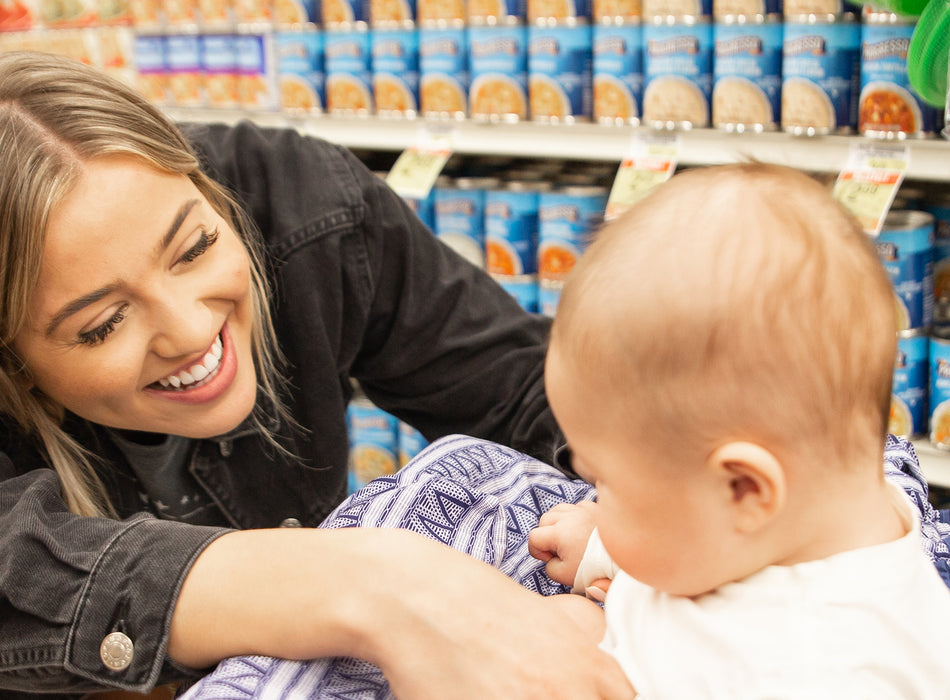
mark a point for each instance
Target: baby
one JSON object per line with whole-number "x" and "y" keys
{"x": 720, "y": 365}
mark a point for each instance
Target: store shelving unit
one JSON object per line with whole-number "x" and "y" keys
{"x": 929, "y": 159}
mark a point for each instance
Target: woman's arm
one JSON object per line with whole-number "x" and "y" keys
{"x": 393, "y": 598}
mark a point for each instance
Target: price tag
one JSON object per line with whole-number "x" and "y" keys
{"x": 418, "y": 167}
{"x": 868, "y": 185}
{"x": 652, "y": 163}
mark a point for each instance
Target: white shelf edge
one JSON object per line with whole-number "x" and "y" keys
{"x": 929, "y": 158}
{"x": 934, "y": 462}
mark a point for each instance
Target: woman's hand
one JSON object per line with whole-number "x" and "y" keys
{"x": 439, "y": 623}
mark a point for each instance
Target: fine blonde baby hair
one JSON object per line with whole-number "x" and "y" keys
{"x": 743, "y": 301}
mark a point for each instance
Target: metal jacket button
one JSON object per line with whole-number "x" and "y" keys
{"x": 116, "y": 651}
{"x": 290, "y": 522}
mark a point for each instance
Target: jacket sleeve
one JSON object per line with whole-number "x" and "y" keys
{"x": 66, "y": 582}
{"x": 430, "y": 337}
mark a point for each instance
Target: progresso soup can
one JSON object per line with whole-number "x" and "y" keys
{"x": 559, "y": 73}
{"x": 908, "y": 416}
{"x": 940, "y": 391}
{"x": 498, "y": 61}
{"x": 888, "y": 106}
{"x": 905, "y": 247}
{"x": 618, "y": 71}
{"x": 374, "y": 442}
{"x": 747, "y": 74}
{"x": 678, "y": 72}
{"x": 567, "y": 220}
{"x": 820, "y": 74}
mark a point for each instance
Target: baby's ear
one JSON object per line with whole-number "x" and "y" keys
{"x": 754, "y": 482}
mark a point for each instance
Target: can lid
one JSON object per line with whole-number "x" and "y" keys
{"x": 907, "y": 218}
{"x": 476, "y": 183}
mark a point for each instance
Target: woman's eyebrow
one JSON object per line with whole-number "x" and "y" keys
{"x": 86, "y": 299}
{"x": 179, "y": 219}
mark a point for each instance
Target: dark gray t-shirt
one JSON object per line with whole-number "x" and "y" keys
{"x": 160, "y": 462}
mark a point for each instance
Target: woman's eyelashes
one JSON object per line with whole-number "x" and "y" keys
{"x": 101, "y": 332}
{"x": 205, "y": 241}
{"x": 104, "y": 330}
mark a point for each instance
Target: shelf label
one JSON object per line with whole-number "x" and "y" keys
{"x": 418, "y": 167}
{"x": 651, "y": 162}
{"x": 868, "y": 184}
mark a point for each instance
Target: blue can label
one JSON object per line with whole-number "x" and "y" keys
{"x": 559, "y": 73}
{"x": 909, "y": 416}
{"x": 424, "y": 209}
{"x": 185, "y": 83}
{"x": 549, "y": 296}
{"x": 349, "y": 72}
{"x": 411, "y": 443}
{"x": 150, "y": 77}
{"x": 940, "y": 392}
{"x": 566, "y": 223}
{"x": 498, "y": 58}
{"x": 511, "y": 232}
{"x": 906, "y": 251}
{"x": 459, "y": 221}
{"x": 374, "y": 443}
{"x": 396, "y": 71}
{"x": 747, "y": 74}
{"x": 618, "y": 72}
{"x": 677, "y": 64}
{"x": 821, "y": 76}
{"x": 301, "y": 73}
{"x": 443, "y": 63}
{"x": 888, "y": 104}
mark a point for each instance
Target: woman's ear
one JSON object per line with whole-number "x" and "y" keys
{"x": 753, "y": 481}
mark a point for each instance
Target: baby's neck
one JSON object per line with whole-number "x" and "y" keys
{"x": 857, "y": 513}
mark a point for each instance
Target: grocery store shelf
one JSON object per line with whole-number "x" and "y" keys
{"x": 929, "y": 158}
{"x": 934, "y": 462}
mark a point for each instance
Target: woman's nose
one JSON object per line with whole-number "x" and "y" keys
{"x": 181, "y": 328}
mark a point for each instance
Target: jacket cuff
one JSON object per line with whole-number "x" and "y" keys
{"x": 120, "y": 628}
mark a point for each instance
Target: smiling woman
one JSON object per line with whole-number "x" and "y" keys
{"x": 184, "y": 308}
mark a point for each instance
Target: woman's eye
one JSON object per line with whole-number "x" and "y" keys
{"x": 204, "y": 242}
{"x": 103, "y": 331}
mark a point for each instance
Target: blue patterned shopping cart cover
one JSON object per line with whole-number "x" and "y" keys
{"x": 482, "y": 499}
{"x": 476, "y": 496}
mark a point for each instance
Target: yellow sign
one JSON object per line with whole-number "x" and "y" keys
{"x": 416, "y": 170}
{"x": 635, "y": 179}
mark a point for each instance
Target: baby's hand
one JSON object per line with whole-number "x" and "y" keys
{"x": 561, "y": 539}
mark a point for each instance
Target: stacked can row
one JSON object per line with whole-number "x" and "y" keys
{"x": 808, "y": 77}
{"x": 526, "y": 232}
{"x": 380, "y": 443}
{"x": 20, "y": 15}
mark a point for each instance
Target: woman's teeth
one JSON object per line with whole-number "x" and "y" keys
{"x": 196, "y": 373}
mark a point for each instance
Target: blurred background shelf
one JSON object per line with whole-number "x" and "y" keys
{"x": 934, "y": 462}
{"x": 929, "y": 158}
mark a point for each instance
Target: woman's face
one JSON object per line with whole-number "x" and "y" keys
{"x": 143, "y": 312}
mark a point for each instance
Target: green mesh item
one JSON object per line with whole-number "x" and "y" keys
{"x": 908, "y": 8}
{"x": 929, "y": 53}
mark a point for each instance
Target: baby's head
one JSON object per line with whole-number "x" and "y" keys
{"x": 736, "y": 305}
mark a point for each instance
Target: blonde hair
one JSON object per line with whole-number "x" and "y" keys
{"x": 56, "y": 113}
{"x": 738, "y": 301}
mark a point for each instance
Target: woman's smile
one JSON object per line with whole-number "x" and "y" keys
{"x": 155, "y": 333}
{"x": 202, "y": 381}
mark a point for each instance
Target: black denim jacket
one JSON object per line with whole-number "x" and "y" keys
{"x": 362, "y": 289}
